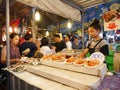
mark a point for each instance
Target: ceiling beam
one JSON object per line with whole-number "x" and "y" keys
{"x": 71, "y": 4}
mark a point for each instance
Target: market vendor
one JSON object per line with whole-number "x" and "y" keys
{"x": 98, "y": 44}
{"x": 14, "y": 50}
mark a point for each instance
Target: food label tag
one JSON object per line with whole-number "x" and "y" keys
{"x": 98, "y": 55}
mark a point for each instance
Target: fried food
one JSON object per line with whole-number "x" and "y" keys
{"x": 71, "y": 59}
{"x": 58, "y": 57}
{"x": 54, "y": 57}
{"x": 45, "y": 57}
{"x": 79, "y": 61}
{"x": 93, "y": 62}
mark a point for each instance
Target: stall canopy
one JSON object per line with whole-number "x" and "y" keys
{"x": 84, "y": 4}
{"x": 56, "y": 7}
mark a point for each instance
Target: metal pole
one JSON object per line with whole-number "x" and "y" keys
{"x": 33, "y": 25}
{"x": 7, "y": 32}
{"x": 83, "y": 46}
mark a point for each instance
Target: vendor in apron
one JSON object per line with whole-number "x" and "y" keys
{"x": 97, "y": 43}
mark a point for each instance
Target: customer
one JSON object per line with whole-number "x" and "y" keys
{"x": 1, "y": 46}
{"x": 59, "y": 44}
{"x": 68, "y": 42}
{"x": 98, "y": 44}
{"x": 14, "y": 50}
{"x": 28, "y": 45}
{"x": 45, "y": 49}
{"x": 76, "y": 44}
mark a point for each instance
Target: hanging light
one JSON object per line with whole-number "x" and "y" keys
{"x": 69, "y": 25}
{"x": 47, "y": 33}
{"x": 16, "y": 29}
{"x": 37, "y": 16}
{"x": 10, "y": 29}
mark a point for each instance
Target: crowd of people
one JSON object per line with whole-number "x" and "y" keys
{"x": 29, "y": 47}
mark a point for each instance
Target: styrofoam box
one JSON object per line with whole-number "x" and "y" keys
{"x": 73, "y": 79}
{"x": 41, "y": 82}
{"x": 98, "y": 71}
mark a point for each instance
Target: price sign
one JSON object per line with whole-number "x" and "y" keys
{"x": 98, "y": 55}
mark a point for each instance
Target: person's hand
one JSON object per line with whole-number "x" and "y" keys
{"x": 53, "y": 47}
{"x": 17, "y": 60}
{"x": 26, "y": 51}
{"x": 80, "y": 56}
{"x": 37, "y": 43}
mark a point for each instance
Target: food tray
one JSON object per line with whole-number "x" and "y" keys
{"x": 16, "y": 68}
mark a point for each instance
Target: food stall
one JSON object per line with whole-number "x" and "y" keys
{"x": 73, "y": 72}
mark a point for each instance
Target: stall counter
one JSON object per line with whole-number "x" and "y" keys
{"x": 28, "y": 81}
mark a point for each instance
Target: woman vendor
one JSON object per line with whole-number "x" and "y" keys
{"x": 14, "y": 50}
{"x": 98, "y": 44}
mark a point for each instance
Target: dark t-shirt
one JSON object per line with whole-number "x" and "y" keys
{"x": 29, "y": 45}
{"x": 60, "y": 45}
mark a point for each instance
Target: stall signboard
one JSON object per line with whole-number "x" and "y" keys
{"x": 112, "y": 18}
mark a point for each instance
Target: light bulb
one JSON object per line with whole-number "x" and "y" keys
{"x": 47, "y": 33}
{"x": 69, "y": 25}
{"x": 15, "y": 29}
{"x": 37, "y": 16}
{"x": 10, "y": 29}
